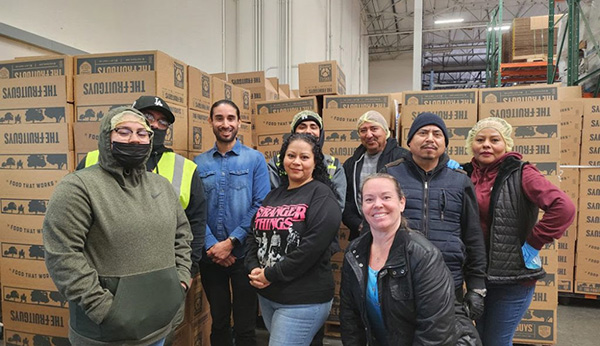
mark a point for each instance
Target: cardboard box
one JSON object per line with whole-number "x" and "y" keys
{"x": 248, "y": 79}
{"x": 221, "y": 90}
{"x": 196, "y": 303}
{"x": 267, "y": 93}
{"x": 221, "y": 75}
{"x": 275, "y": 84}
{"x": 284, "y": 91}
{"x": 29, "y": 183}
{"x": 44, "y": 161}
{"x": 538, "y": 143}
{"x": 273, "y": 120}
{"x": 123, "y": 77}
{"x": 321, "y": 78}
{"x": 95, "y": 113}
{"x": 19, "y": 229}
{"x": 23, "y": 266}
{"x": 42, "y": 80}
{"x": 177, "y": 134}
{"x": 341, "y": 143}
{"x": 199, "y": 90}
{"x": 570, "y": 131}
{"x": 86, "y": 136}
{"x": 49, "y": 138}
{"x": 245, "y": 135}
{"x": 456, "y": 108}
{"x": 590, "y": 137}
{"x": 538, "y": 325}
{"x": 201, "y": 137}
{"x": 17, "y": 338}
{"x": 35, "y": 114}
{"x": 521, "y": 105}
{"x": 241, "y": 97}
{"x": 36, "y": 317}
{"x": 343, "y": 112}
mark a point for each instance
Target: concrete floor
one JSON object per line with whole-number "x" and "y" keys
{"x": 578, "y": 325}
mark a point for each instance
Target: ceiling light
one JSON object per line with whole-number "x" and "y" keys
{"x": 501, "y": 28}
{"x": 449, "y": 21}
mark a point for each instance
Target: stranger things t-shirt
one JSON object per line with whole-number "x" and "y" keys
{"x": 291, "y": 233}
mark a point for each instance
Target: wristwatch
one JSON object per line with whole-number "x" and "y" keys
{"x": 481, "y": 291}
{"x": 234, "y": 241}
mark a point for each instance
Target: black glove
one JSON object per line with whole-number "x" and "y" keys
{"x": 473, "y": 304}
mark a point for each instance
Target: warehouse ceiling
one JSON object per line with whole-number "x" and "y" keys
{"x": 454, "y": 52}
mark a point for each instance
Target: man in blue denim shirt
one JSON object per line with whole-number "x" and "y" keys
{"x": 235, "y": 180}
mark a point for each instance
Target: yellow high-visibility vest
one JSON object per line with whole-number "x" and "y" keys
{"x": 176, "y": 168}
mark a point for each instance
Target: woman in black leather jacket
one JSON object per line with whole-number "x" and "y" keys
{"x": 396, "y": 288}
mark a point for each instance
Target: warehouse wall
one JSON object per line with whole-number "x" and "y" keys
{"x": 391, "y": 75}
{"x": 192, "y": 31}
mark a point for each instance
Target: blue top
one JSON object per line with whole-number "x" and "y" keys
{"x": 374, "y": 309}
{"x": 235, "y": 185}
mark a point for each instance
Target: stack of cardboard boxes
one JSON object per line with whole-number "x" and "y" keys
{"x": 200, "y": 135}
{"x": 106, "y": 81}
{"x": 36, "y": 119}
{"x": 587, "y": 274}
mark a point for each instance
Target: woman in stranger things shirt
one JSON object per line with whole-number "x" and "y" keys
{"x": 288, "y": 252}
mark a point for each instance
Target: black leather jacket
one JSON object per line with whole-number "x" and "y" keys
{"x": 416, "y": 293}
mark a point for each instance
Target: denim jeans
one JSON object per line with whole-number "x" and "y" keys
{"x": 292, "y": 325}
{"x": 216, "y": 280}
{"x": 505, "y": 306}
{"x": 160, "y": 342}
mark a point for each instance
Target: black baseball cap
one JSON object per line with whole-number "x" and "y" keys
{"x": 155, "y": 103}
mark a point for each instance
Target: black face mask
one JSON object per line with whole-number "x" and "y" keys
{"x": 158, "y": 140}
{"x": 130, "y": 155}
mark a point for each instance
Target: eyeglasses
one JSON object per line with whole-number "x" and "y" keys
{"x": 162, "y": 124}
{"x": 126, "y": 133}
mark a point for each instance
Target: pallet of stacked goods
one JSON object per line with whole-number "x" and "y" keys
{"x": 36, "y": 119}
{"x": 106, "y": 81}
{"x": 587, "y": 274}
{"x": 534, "y": 113}
{"x": 458, "y": 109}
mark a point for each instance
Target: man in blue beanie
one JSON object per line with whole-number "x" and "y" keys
{"x": 441, "y": 204}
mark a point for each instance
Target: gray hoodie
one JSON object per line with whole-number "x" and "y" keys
{"x": 117, "y": 247}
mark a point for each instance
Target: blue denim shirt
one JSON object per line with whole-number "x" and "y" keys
{"x": 235, "y": 185}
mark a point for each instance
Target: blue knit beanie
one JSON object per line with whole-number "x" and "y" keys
{"x": 425, "y": 119}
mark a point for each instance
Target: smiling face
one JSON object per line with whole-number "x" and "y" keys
{"x": 310, "y": 127}
{"x": 225, "y": 123}
{"x": 428, "y": 144}
{"x": 372, "y": 137}
{"x": 488, "y": 146}
{"x": 299, "y": 163}
{"x": 381, "y": 205}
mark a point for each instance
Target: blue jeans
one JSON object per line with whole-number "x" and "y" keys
{"x": 160, "y": 342}
{"x": 290, "y": 325}
{"x": 505, "y": 306}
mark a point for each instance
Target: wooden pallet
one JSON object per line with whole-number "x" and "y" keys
{"x": 532, "y": 58}
{"x": 332, "y": 329}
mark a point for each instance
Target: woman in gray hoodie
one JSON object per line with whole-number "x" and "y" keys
{"x": 118, "y": 242}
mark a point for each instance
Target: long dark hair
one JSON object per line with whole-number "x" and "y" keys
{"x": 319, "y": 173}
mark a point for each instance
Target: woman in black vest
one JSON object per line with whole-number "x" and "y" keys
{"x": 510, "y": 193}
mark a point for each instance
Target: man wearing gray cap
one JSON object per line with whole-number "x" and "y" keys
{"x": 377, "y": 148}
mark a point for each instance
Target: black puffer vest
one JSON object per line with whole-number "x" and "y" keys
{"x": 513, "y": 217}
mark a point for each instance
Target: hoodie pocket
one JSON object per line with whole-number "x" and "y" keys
{"x": 143, "y": 304}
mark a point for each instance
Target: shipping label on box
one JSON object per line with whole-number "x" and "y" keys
{"x": 14, "y": 337}
{"x": 538, "y": 325}
{"x": 159, "y": 73}
{"x": 321, "y": 78}
{"x": 199, "y": 90}
{"x": 16, "y": 228}
{"x": 50, "y": 138}
{"x": 37, "y": 162}
{"x": 37, "y": 115}
{"x": 29, "y": 183}
{"x": 42, "y": 92}
{"x": 37, "y": 317}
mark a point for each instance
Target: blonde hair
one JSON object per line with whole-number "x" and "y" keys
{"x": 498, "y": 124}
